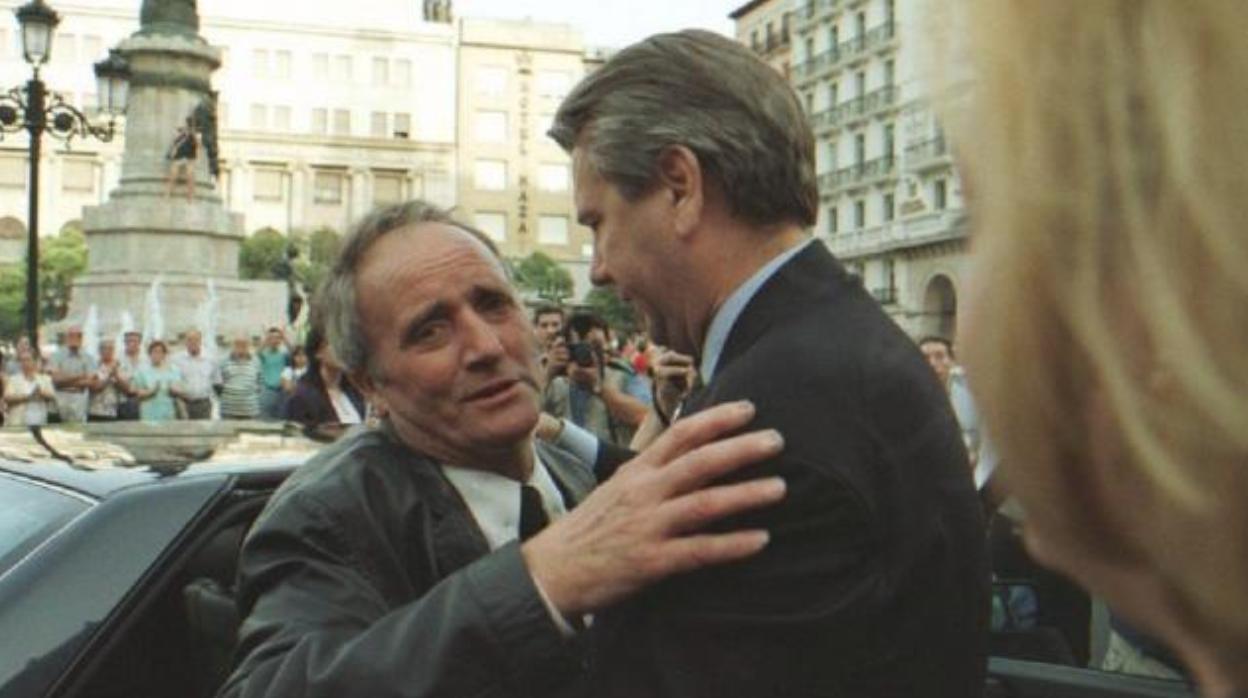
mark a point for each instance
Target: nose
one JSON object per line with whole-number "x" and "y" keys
{"x": 482, "y": 344}
{"x": 598, "y": 274}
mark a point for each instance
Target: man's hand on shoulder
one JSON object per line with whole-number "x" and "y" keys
{"x": 645, "y": 523}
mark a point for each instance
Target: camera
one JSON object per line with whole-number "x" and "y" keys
{"x": 582, "y": 354}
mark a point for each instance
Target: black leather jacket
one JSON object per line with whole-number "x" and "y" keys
{"x": 366, "y": 575}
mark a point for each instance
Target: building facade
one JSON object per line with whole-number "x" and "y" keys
{"x": 766, "y": 27}
{"x": 322, "y": 115}
{"x": 515, "y": 183}
{"x": 890, "y": 201}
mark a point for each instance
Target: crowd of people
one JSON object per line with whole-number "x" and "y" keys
{"x": 268, "y": 379}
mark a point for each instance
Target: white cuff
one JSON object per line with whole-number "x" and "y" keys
{"x": 579, "y": 442}
{"x": 565, "y": 628}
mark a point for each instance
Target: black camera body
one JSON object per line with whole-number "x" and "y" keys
{"x": 582, "y": 354}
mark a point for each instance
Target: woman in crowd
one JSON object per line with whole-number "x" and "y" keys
{"x": 29, "y": 392}
{"x": 297, "y": 368}
{"x": 324, "y": 402}
{"x": 154, "y": 385}
{"x": 1105, "y": 330}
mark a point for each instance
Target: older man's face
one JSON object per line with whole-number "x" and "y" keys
{"x": 194, "y": 343}
{"x": 453, "y": 355}
{"x": 133, "y": 342}
{"x": 73, "y": 338}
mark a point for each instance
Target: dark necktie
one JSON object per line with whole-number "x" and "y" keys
{"x": 532, "y": 514}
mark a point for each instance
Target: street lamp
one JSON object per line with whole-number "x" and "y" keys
{"x": 33, "y": 110}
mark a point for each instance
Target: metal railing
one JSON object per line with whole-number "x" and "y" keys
{"x": 862, "y": 173}
{"x": 925, "y": 229}
{"x": 927, "y": 153}
{"x": 850, "y": 48}
{"x": 856, "y": 108}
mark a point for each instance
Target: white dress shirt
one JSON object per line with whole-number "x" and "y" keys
{"x": 494, "y": 502}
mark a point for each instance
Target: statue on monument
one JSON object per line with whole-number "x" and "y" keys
{"x": 169, "y": 17}
{"x": 205, "y": 120}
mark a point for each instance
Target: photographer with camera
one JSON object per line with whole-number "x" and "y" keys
{"x": 578, "y": 395}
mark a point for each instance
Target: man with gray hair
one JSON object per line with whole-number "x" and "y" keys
{"x": 694, "y": 166}
{"x": 440, "y": 554}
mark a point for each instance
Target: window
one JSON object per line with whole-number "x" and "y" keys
{"x": 810, "y": 102}
{"x": 260, "y": 63}
{"x": 860, "y": 149}
{"x": 268, "y": 184}
{"x": 890, "y": 72}
{"x": 377, "y": 125}
{"x": 493, "y": 224}
{"x": 403, "y": 73}
{"x": 834, "y": 222}
{"x": 940, "y": 195}
{"x": 810, "y": 48}
{"x": 833, "y": 157}
{"x": 890, "y": 207}
{"x": 890, "y": 140}
{"x": 281, "y": 65}
{"x": 320, "y": 66}
{"x": 860, "y": 83}
{"x": 29, "y": 515}
{"x": 281, "y": 119}
{"x": 320, "y": 121}
{"x": 860, "y": 214}
{"x": 491, "y": 81}
{"x": 860, "y": 24}
{"x": 834, "y": 36}
{"x": 92, "y": 48}
{"x": 387, "y": 188}
{"x": 64, "y": 48}
{"x": 402, "y": 125}
{"x": 78, "y": 176}
{"x": 490, "y": 175}
{"x": 381, "y": 72}
{"x": 343, "y": 68}
{"x": 552, "y": 230}
{"x": 553, "y": 83}
{"x": 490, "y": 127}
{"x": 552, "y": 177}
{"x": 342, "y": 122}
{"x": 259, "y": 117}
{"x": 327, "y": 187}
{"x": 834, "y": 94}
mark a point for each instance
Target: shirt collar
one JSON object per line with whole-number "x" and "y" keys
{"x": 732, "y": 308}
{"x": 494, "y": 500}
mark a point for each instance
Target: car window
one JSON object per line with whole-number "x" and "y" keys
{"x": 29, "y": 514}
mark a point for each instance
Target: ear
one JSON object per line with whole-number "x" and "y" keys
{"x": 680, "y": 174}
{"x": 367, "y": 385}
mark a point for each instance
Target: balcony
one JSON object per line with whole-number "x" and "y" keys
{"x": 862, "y": 174}
{"x": 771, "y": 44}
{"x": 855, "y": 109}
{"x": 925, "y": 229}
{"x": 810, "y": 12}
{"x": 878, "y": 38}
{"x": 885, "y": 295}
{"x": 928, "y": 155}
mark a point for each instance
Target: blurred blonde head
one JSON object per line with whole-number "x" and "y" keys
{"x": 1105, "y": 147}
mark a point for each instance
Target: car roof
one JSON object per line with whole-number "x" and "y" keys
{"x": 73, "y": 459}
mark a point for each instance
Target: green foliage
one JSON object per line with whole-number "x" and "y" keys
{"x": 543, "y": 275}
{"x": 61, "y": 260}
{"x": 619, "y": 314}
{"x": 12, "y": 301}
{"x": 262, "y": 254}
{"x": 324, "y": 244}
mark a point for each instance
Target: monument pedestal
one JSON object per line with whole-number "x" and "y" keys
{"x": 142, "y": 234}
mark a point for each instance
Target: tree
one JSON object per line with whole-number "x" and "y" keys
{"x": 12, "y": 301}
{"x": 262, "y": 254}
{"x": 619, "y": 314}
{"x": 542, "y": 275}
{"x": 61, "y": 260}
{"x": 323, "y": 246}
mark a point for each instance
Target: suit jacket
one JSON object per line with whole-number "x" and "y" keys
{"x": 366, "y": 575}
{"x": 875, "y": 582}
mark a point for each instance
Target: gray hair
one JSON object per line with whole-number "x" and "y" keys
{"x": 707, "y": 93}
{"x": 337, "y": 297}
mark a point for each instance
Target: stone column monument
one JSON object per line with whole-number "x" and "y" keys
{"x": 141, "y": 235}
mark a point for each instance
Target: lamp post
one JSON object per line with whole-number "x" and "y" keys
{"x": 34, "y": 110}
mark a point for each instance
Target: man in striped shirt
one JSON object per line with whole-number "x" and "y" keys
{"x": 240, "y": 382}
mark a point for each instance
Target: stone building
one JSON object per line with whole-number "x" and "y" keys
{"x": 515, "y": 183}
{"x": 890, "y": 201}
{"x": 323, "y": 114}
{"x": 766, "y": 27}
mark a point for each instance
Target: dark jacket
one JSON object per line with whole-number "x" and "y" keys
{"x": 875, "y": 582}
{"x": 366, "y": 575}
{"x": 310, "y": 406}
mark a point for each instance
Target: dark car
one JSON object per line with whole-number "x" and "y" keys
{"x": 115, "y": 580}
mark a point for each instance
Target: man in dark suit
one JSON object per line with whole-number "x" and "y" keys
{"x": 415, "y": 559}
{"x": 693, "y": 165}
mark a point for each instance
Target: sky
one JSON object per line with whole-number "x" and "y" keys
{"x": 611, "y": 23}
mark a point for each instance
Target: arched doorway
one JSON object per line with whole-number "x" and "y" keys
{"x": 940, "y": 307}
{"x": 12, "y": 229}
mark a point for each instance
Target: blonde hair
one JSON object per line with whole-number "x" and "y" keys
{"x": 1107, "y": 162}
